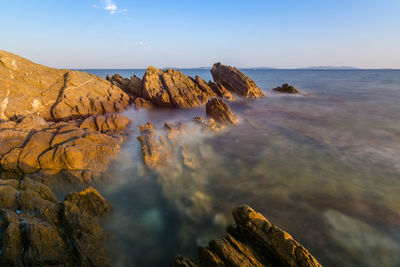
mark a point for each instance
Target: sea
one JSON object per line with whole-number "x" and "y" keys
{"x": 324, "y": 166}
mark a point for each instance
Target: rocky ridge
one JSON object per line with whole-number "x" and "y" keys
{"x": 27, "y": 88}
{"x": 253, "y": 241}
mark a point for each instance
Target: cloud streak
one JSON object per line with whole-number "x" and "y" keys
{"x": 111, "y": 7}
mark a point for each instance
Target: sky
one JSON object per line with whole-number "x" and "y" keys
{"x": 198, "y": 33}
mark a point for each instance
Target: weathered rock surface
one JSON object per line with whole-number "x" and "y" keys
{"x": 171, "y": 88}
{"x": 35, "y": 145}
{"x": 132, "y": 86}
{"x": 253, "y": 241}
{"x": 27, "y": 88}
{"x": 234, "y": 81}
{"x": 286, "y": 89}
{"x": 38, "y": 230}
{"x": 220, "y": 112}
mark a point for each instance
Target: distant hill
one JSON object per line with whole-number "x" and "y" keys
{"x": 329, "y": 68}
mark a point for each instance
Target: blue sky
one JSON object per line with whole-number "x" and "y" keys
{"x": 189, "y": 33}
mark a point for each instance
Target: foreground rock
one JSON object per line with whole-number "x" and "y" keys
{"x": 220, "y": 112}
{"x": 82, "y": 148}
{"x": 286, "y": 89}
{"x": 254, "y": 241}
{"x": 38, "y": 230}
{"x": 235, "y": 81}
{"x": 28, "y": 88}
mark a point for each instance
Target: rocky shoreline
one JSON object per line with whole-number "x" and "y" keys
{"x": 60, "y": 128}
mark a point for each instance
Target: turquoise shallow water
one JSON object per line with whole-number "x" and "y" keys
{"x": 325, "y": 167}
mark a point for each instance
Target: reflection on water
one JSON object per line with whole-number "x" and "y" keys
{"x": 326, "y": 168}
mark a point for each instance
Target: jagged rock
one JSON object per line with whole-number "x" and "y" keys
{"x": 132, "y": 86}
{"x": 253, "y": 241}
{"x": 38, "y": 230}
{"x": 234, "y": 81}
{"x": 219, "y": 111}
{"x": 35, "y": 145}
{"x": 221, "y": 91}
{"x": 143, "y": 103}
{"x": 28, "y": 88}
{"x": 171, "y": 88}
{"x": 287, "y": 89}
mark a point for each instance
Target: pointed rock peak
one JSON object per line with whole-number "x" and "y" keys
{"x": 235, "y": 81}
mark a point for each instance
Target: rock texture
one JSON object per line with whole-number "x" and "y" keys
{"x": 132, "y": 86}
{"x": 38, "y": 230}
{"x": 171, "y": 88}
{"x": 220, "y": 112}
{"x": 286, "y": 89}
{"x": 254, "y": 241}
{"x": 81, "y": 147}
{"x": 234, "y": 81}
{"x": 27, "y": 88}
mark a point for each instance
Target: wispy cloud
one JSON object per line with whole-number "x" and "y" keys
{"x": 111, "y": 7}
{"x": 142, "y": 44}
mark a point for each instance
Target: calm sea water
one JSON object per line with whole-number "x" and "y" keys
{"x": 324, "y": 167}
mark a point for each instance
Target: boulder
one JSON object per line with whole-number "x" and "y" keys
{"x": 53, "y": 94}
{"x": 235, "y": 81}
{"x": 38, "y": 230}
{"x": 220, "y": 112}
{"x": 253, "y": 241}
{"x": 286, "y": 89}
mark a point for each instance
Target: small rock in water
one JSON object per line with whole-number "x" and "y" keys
{"x": 286, "y": 89}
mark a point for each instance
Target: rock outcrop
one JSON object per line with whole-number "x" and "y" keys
{"x": 38, "y": 230}
{"x": 132, "y": 86}
{"x": 253, "y": 241}
{"x": 286, "y": 89}
{"x": 171, "y": 88}
{"x": 79, "y": 147}
{"x": 220, "y": 112}
{"x": 27, "y": 88}
{"x": 234, "y": 81}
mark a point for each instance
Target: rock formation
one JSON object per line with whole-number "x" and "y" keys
{"x": 234, "y": 81}
{"x": 253, "y": 241}
{"x": 28, "y": 88}
{"x": 286, "y": 89}
{"x": 38, "y": 230}
{"x": 220, "y": 112}
{"x": 80, "y": 147}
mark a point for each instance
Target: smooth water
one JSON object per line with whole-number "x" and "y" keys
{"x": 324, "y": 167}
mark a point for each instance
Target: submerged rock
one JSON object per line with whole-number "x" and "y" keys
{"x": 38, "y": 230}
{"x": 286, "y": 89}
{"x": 34, "y": 145}
{"x": 234, "y": 81}
{"x": 253, "y": 241}
{"x": 220, "y": 112}
{"x": 28, "y": 88}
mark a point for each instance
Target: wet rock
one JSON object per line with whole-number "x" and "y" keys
{"x": 253, "y": 241}
{"x": 53, "y": 94}
{"x": 175, "y": 163}
{"x": 171, "y": 88}
{"x": 220, "y": 112}
{"x": 235, "y": 81}
{"x": 38, "y": 230}
{"x": 34, "y": 145}
{"x": 286, "y": 89}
